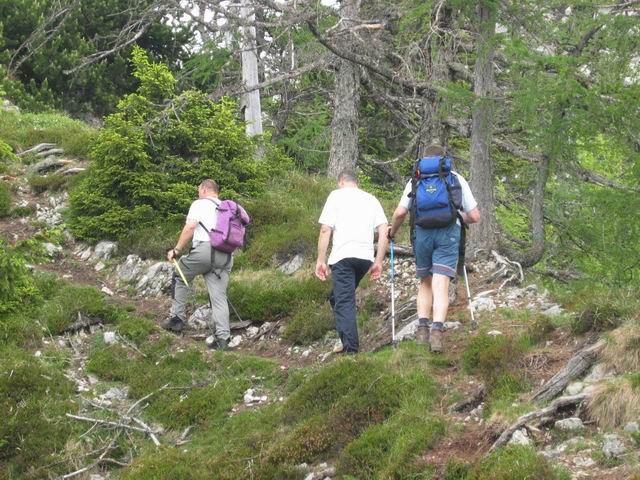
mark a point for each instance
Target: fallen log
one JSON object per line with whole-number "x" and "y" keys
{"x": 37, "y": 148}
{"x": 52, "y": 151}
{"x": 575, "y": 368}
{"x": 547, "y": 412}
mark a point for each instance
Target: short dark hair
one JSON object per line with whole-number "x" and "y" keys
{"x": 434, "y": 151}
{"x": 348, "y": 176}
{"x": 211, "y": 185}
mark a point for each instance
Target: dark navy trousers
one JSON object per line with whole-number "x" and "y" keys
{"x": 346, "y": 275}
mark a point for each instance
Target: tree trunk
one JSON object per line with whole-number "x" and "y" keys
{"x": 483, "y": 235}
{"x": 534, "y": 255}
{"x": 346, "y": 101}
{"x": 250, "y": 102}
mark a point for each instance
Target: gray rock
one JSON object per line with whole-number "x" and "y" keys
{"x": 483, "y": 304}
{"x": 252, "y": 332}
{"x": 573, "y": 423}
{"x": 156, "y": 280}
{"x": 583, "y": 461}
{"x": 612, "y": 446}
{"x": 520, "y": 437}
{"x": 53, "y": 251}
{"x": 408, "y": 332}
{"x": 104, "y": 250}
{"x": 494, "y": 333}
{"x": 130, "y": 270}
{"x": 7, "y": 106}
{"x": 115, "y": 394}
{"x": 574, "y": 388}
{"x": 632, "y": 427}
{"x": 235, "y": 341}
{"x": 452, "y": 325}
{"x": 597, "y": 373}
{"x": 110, "y": 338}
{"x": 292, "y": 266}
{"x": 553, "y": 311}
{"x": 107, "y": 291}
{"x": 86, "y": 254}
{"x": 99, "y": 266}
{"x": 201, "y": 318}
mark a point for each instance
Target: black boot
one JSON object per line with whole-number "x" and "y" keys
{"x": 219, "y": 344}
{"x": 174, "y": 324}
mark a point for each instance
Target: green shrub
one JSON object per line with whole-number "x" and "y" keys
{"x": 601, "y": 310}
{"x": 148, "y": 160}
{"x": 6, "y": 156}
{"x": 456, "y": 470}
{"x": 19, "y": 329}
{"x": 311, "y": 322}
{"x": 540, "y": 328}
{"x": 16, "y": 284}
{"x": 72, "y": 302}
{"x": 517, "y": 463}
{"x": 52, "y": 183}
{"x": 34, "y": 398}
{"x": 24, "y": 130}
{"x": 491, "y": 356}
{"x": 270, "y": 295}
{"x": 152, "y": 241}
{"x": 5, "y": 200}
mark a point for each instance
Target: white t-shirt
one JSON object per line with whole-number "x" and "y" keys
{"x": 468, "y": 200}
{"x": 353, "y": 214}
{"x": 203, "y": 210}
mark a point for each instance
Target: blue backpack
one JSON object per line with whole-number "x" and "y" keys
{"x": 436, "y": 193}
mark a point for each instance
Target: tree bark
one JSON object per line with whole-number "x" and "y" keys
{"x": 346, "y": 101}
{"x": 250, "y": 102}
{"x": 483, "y": 235}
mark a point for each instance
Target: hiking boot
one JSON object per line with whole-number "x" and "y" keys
{"x": 217, "y": 343}
{"x": 436, "y": 340}
{"x": 422, "y": 335}
{"x": 174, "y": 324}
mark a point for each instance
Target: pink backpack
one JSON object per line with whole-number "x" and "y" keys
{"x": 228, "y": 234}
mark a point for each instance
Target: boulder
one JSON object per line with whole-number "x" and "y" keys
{"x": 292, "y": 266}
{"x": 130, "y": 270}
{"x": 572, "y": 423}
{"x": 156, "y": 280}
{"x": 520, "y": 437}
{"x": 553, "y": 311}
{"x": 408, "y": 332}
{"x": 612, "y": 446}
{"x": 483, "y": 304}
{"x": 200, "y": 319}
{"x": 53, "y": 251}
{"x": 104, "y": 250}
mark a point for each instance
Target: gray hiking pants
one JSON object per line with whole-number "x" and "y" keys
{"x": 215, "y": 267}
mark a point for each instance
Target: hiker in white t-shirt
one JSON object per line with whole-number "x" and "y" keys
{"x": 351, "y": 215}
{"x": 202, "y": 259}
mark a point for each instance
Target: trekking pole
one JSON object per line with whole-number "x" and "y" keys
{"x": 184, "y": 279}
{"x": 393, "y": 300}
{"x": 474, "y": 325}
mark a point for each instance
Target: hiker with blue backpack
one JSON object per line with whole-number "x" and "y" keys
{"x": 216, "y": 229}
{"x": 440, "y": 204}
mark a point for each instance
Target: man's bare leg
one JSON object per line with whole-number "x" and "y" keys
{"x": 424, "y": 306}
{"x": 440, "y": 288}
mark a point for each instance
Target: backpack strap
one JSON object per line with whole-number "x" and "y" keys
{"x": 217, "y": 204}
{"x": 413, "y": 211}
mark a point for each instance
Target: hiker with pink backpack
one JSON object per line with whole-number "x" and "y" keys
{"x": 216, "y": 229}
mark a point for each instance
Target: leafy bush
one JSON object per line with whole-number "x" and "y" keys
{"x": 16, "y": 285}
{"x": 6, "y": 156}
{"x": 52, "y": 183}
{"x": 269, "y": 295}
{"x": 5, "y": 200}
{"x": 310, "y": 323}
{"x": 152, "y": 241}
{"x": 34, "y": 399}
{"x": 601, "y": 310}
{"x": 516, "y": 463}
{"x": 491, "y": 356}
{"x": 24, "y": 130}
{"x": 154, "y": 151}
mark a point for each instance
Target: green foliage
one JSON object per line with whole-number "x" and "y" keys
{"x": 152, "y": 241}
{"x": 52, "y": 183}
{"x": 539, "y": 329}
{"x": 601, "y": 309}
{"x": 72, "y": 302}
{"x": 269, "y": 295}
{"x": 16, "y": 285}
{"x": 149, "y": 159}
{"x": 491, "y": 356}
{"x": 309, "y": 323}
{"x": 34, "y": 398}
{"x": 5, "y": 200}
{"x": 6, "y": 155}
{"x": 39, "y": 81}
{"x": 282, "y": 228}
{"x": 24, "y": 130}
{"x": 516, "y": 463}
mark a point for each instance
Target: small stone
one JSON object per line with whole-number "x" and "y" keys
{"x": 572, "y": 423}
{"x": 92, "y": 379}
{"x": 252, "y": 332}
{"x": 38, "y": 354}
{"x": 583, "y": 462}
{"x": 105, "y": 250}
{"x": 305, "y": 354}
{"x": 597, "y": 373}
{"x": 553, "y": 311}
{"x": 235, "y": 341}
{"x": 520, "y": 437}
{"x": 631, "y": 427}
{"x": 107, "y": 291}
{"x": 110, "y": 338}
{"x": 200, "y": 319}
{"x": 53, "y": 251}
{"x": 292, "y": 266}
{"x": 248, "y": 396}
{"x": 115, "y": 394}
{"x": 494, "y": 333}
{"x": 210, "y": 340}
{"x": 483, "y": 304}
{"x": 452, "y": 325}
{"x": 613, "y": 446}
{"x": 99, "y": 266}
{"x": 574, "y": 388}
{"x": 62, "y": 343}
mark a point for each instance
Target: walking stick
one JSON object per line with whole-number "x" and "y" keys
{"x": 184, "y": 279}
{"x": 474, "y": 325}
{"x": 393, "y": 300}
